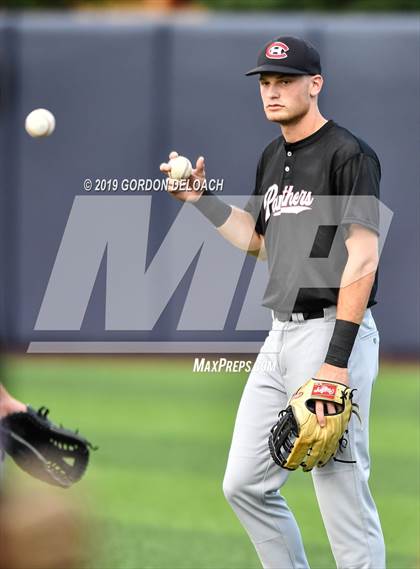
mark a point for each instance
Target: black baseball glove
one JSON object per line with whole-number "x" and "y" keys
{"x": 50, "y": 453}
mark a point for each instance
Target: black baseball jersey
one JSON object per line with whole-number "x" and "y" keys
{"x": 306, "y": 195}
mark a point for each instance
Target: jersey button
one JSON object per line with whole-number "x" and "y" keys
{"x": 289, "y": 153}
{"x": 287, "y": 169}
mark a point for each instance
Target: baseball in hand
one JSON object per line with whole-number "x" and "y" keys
{"x": 40, "y": 122}
{"x": 181, "y": 168}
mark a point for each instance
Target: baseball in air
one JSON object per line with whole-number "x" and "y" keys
{"x": 181, "y": 168}
{"x": 40, "y": 122}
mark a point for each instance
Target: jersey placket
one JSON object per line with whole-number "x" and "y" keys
{"x": 288, "y": 167}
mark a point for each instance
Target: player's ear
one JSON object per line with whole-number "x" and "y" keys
{"x": 316, "y": 83}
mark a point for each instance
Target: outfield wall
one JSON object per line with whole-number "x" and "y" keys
{"x": 127, "y": 89}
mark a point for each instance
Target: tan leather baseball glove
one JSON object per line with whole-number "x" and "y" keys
{"x": 297, "y": 439}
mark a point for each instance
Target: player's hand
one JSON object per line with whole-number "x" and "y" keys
{"x": 9, "y": 404}
{"x": 193, "y": 187}
{"x": 332, "y": 373}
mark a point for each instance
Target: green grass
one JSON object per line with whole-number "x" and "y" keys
{"x": 154, "y": 487}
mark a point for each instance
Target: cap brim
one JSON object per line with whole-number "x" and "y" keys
{"x": 276, "y": 69}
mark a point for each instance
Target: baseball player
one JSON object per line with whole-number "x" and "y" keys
{"x": 328, "y": 332}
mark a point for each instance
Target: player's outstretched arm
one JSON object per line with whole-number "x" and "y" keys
{"x": 234, "y": 224}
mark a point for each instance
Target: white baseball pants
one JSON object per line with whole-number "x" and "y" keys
{"x": 252, "y": 483}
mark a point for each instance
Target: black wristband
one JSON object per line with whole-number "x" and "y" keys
{"x": 341, "y": 343}
{"x": 216, "y": 210}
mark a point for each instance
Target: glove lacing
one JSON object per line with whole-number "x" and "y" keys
{"x": 43, "y": 413}
{"x": 343, "y": 442}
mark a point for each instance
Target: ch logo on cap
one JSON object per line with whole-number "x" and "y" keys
{"x": 276, "y": 50}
